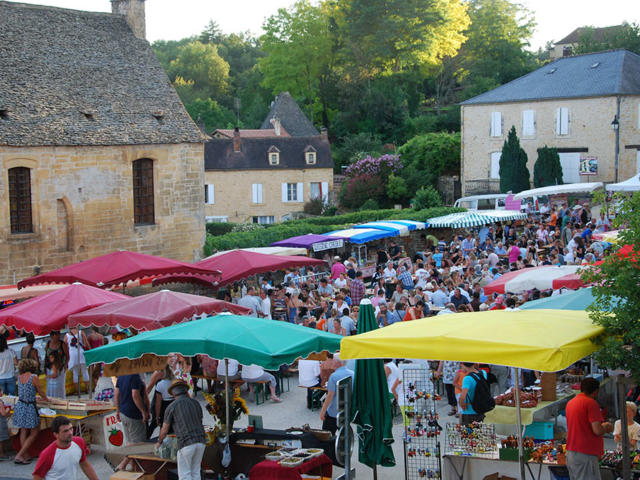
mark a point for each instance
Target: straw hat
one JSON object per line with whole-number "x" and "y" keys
{"x": 177, "y": 383}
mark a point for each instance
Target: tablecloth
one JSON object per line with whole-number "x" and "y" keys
{"x": 269, "y": 470}
{"x": 507, "y": 415}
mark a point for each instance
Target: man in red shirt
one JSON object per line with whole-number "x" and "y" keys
{"x": 60, "y": 460}
{"x": 585, "y": 428}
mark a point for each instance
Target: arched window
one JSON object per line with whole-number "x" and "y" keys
{"x": 143, "y": 211}
{"x": 20, "y": 200}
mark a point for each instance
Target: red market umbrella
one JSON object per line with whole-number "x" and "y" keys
{"x": 50, "y": 311}
{"x": 154, "y": 310}
{"x": 115, "y": 268}
{"x": 542, "y": 278}
{"x": 239, "y": 264}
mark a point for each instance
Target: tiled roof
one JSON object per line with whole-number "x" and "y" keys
{"x": 615, "y": 72}
{"x": 599, "y": 34}
{"x": 219, "y": 154}
{"x": 70, "y": 77}
{"x": 248, "y": 133}
{"x": 285, "y": 108}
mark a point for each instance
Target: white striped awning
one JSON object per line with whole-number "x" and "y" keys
{"x": 474, "y": 219}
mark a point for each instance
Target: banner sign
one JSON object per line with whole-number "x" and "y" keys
{"x": 146, "y": 363}
{"x": 588, "y": 166}
{"x": 328, "y": 245}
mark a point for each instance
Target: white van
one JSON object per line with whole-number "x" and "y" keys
{"x": 495, "y": 201}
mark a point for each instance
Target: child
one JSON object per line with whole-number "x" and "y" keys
{"x": 4, "y": 428}
{"x": 457, "y": 384}
{"x": 55, "y": 375}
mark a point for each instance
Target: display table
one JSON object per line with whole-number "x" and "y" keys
{"x": 507, "y": 415}
{"x": 269, "y": 470}
{"x": 458, "y": 467}
{"x": 153, "y": 465}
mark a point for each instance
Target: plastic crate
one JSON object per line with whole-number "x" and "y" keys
{"x": 539, "y": 430}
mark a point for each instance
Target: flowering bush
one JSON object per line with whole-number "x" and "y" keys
{"x": 381, "y": 166}
{"x": 360, "y": 189}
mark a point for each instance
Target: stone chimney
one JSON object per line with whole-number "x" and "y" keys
{"x": 236, "y": 139}
{"x": 324, "y": 133}
{"x": 133, "y": 11}
{"x": 275, "y": 121}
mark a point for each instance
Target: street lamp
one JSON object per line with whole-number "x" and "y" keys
{"x": 616, "y": 127}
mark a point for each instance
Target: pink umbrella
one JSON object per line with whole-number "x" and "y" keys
{"x": 542, "y": 278}
{"x": 51, "y": 311}
{"x": 154, "y": 310}
{"x": 116, "y": 268}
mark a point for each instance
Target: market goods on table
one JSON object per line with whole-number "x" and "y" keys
{"x": 550, "y": 452}
{"x": 527, "y": 399}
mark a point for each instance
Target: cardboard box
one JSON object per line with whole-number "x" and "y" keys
{"x": 122, "y": 475}
{"x": 548, "y": 384}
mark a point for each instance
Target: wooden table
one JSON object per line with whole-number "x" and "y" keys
{"x": 153, "y": 465}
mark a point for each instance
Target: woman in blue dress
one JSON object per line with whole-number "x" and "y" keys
{"x": 25, "y": 412}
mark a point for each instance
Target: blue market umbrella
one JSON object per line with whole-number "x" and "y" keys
{"x": 372, "y": 407}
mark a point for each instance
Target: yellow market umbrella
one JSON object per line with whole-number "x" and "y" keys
{"x": 547, "y": 340}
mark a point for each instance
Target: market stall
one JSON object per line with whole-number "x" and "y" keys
{"x": 248, "y": 340}
{"x": 512, "y": 338}
{"x": 541, "y": 278}
{"x": 475, "y": 218}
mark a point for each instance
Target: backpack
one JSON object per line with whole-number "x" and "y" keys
{"x": 482, "y": 401}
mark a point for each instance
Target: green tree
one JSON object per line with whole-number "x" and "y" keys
{"x": 427, "y": 157}
{"x": 397, "y": 188}
{"x": 211, "y": 113}
{"x": 300, "y": 52}
{"x": 617, "y": 296}
{"x": 200, "y": 64}
{"x": 547, "y": 169}
{"x": 393, "y": 35}
{"x": 626, "y": 36}
{"x": 514, "y": 174}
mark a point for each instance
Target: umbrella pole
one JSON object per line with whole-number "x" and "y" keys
{"x": 226, "y": 393}
{"x": 519, "y": 425}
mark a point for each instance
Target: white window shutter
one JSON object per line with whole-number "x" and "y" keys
{"x": 211, "y": 194}
{"x": 494, "y": 171}
{"x": 259, "y": 189}
{"x": 528, "y": 123}
{"x": 558, "y": 121}
{"x": 284, "y": 192}
{"x": 496, "y": 124}
{"x": 325, "y": 192}
{"x": 300, "y": 192}
{"x": 254, "y": 193}
{"x": 564, "y": 124}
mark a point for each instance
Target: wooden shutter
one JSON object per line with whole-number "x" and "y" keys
{"x": 300, "y": 192}
{"x": 211, "y": 199}
{"x": 528, "y": 123}
{"x": 325, "y": 192}
{"x": 143, "y": 196}
{"x": 284, "y": 193}
{"x": 496, "y": 124}
{"x": 20, "y": 200}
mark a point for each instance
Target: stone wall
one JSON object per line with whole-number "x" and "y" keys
{"x": 233, "y": 194}
{"x": 589, "y": 128}
{"x": 82, "y": 202}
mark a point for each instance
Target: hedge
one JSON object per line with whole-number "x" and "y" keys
{"x": 263, "y": 237}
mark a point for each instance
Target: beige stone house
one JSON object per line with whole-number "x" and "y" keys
{"x": 566, "y": 46}
{"x": 97, "y": 153}
{"x": 586, "y": 106}
{"x": 267, "y": 175}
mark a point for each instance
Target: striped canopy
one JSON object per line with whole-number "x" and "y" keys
{"x": 362, "y": 235}
{"x": 412, "y": 224}
{"x": 395, "y": 228}
{"x": 474, "y": 219}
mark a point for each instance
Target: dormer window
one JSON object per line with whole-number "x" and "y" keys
{"x": 273, "y": 154}
{"x": 310, "y": 155}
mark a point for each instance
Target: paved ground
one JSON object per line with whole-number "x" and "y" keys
{"x": 292, "y": 412}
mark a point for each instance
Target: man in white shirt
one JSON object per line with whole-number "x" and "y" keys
{"x": 265, "y": 296}
{"x": 250, "y": 300}
{"x": 309, "y": 376}
{"x": 439, "y": 297}
{"x": 60, "y": 460}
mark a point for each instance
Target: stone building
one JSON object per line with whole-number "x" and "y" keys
{"x": 586, "y": 106}
{"x": 97, "y": 152}
{"x": 566, "y": 46}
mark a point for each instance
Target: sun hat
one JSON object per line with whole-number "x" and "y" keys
{"x": 177, "y": 383}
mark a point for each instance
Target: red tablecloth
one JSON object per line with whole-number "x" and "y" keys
{"x": 269, "y": 470}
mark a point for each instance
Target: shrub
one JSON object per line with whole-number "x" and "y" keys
{"x": 219, "y": 228}
{"x": 369, "y": 204}
{"x": 313, "y": 207}
{"x": 426, "y": 197}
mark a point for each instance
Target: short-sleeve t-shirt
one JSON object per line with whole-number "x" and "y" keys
{"x": 582, "y": 411}
{"x": 126, "y": 384}
{"x": 470, "y": 384}
{"x": 55, "y": 463}
{"x": 514, "y": 253}
{"x": 335, "y": 377}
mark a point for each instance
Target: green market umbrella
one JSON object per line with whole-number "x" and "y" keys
{"x": 371, "y": 402}
{"x": 576, "y": 300}
{"x": 249, "y": 340}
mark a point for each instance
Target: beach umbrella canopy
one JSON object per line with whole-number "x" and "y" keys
{"x": 154, "y": 310}
{"x": 546, "y": 340}
{"x": 542, "y": 278}
{"x": 474, "y": 218}
{"x": 372, "y": 405}
{"x": 41, "y": 315}
{"x": 238, "y": 264}
{"x": 248, "y": 340}
{"x": 114, "y": 269}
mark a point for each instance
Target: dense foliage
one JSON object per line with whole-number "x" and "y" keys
{"x": 514, "y": 174}
{"x": 627, "y": 36}
{"x": 547, "y": 169}
{"x": 263, "y": 236}
{"x": 616, "y": 292}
